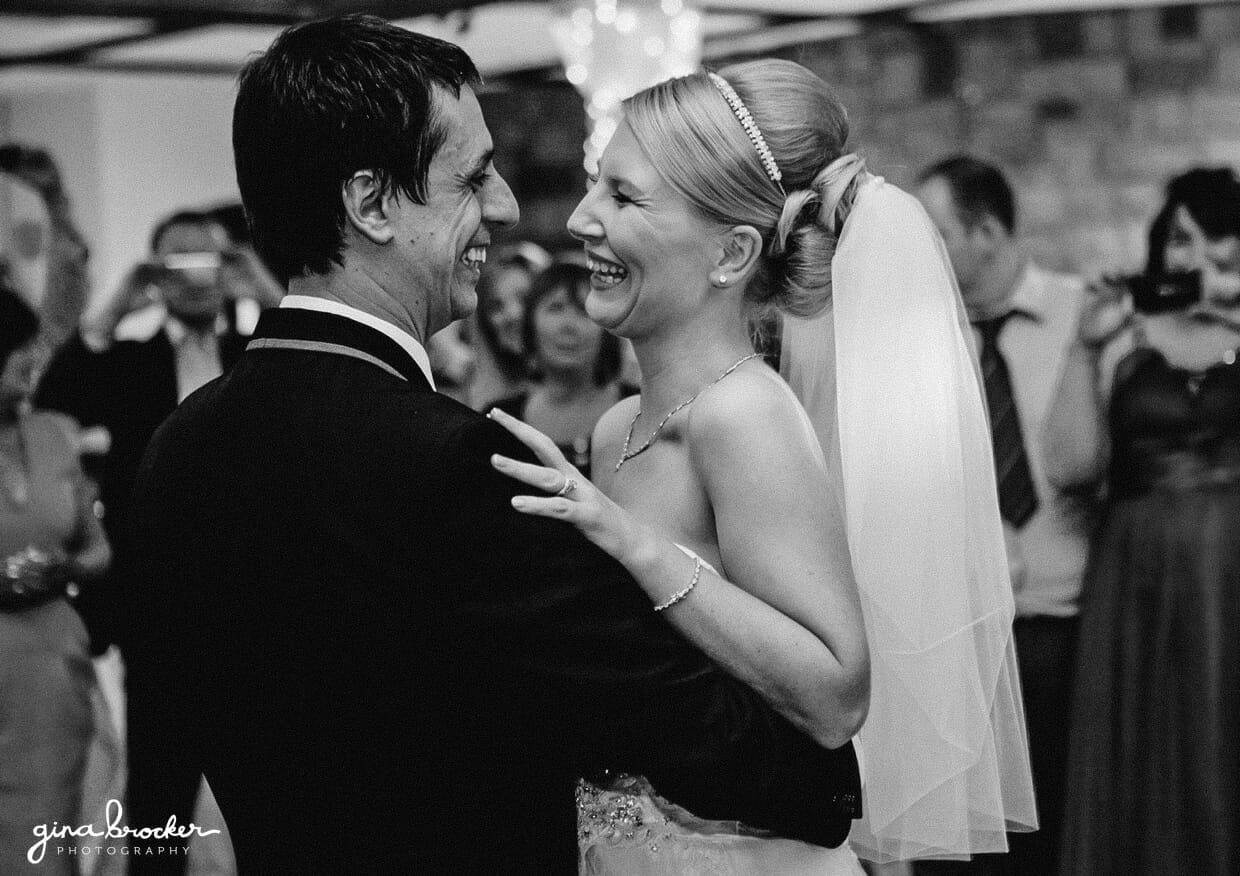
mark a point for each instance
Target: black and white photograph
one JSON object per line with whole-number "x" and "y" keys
{"x": 619, "y": 438}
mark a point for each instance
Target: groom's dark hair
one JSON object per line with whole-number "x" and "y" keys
{"x": 327, "y": 99}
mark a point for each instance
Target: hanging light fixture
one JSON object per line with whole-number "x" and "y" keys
{"x": 614, "y": 48}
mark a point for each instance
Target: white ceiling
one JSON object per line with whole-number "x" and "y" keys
{"x": 503, "y": 38}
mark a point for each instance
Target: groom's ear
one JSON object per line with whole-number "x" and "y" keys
{"x": 742, "y": 247}
{"x": 366, "y": 207}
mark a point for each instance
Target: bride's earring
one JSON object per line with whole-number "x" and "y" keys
{"x": 723, "y": 280}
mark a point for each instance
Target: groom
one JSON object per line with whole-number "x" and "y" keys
{"x": 379, "y": 666}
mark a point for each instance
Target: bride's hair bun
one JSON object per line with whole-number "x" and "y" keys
{"x": 694, "y": 138}
{"x": 806, "y": 234}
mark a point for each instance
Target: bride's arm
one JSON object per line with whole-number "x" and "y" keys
{"x": 790, "y": 626}
{"x": 789, "y": 622}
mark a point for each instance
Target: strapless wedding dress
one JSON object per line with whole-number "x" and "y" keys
{"x": 628, "y": 830}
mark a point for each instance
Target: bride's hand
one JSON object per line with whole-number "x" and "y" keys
{"x": 568, "y": 495}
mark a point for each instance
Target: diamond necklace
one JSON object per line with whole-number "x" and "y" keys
{"x": 625, "y": 455}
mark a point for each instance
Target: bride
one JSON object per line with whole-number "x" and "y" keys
{"x": 721, "y": 198}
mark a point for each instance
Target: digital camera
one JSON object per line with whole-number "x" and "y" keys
{"x": 1164, "y": 293}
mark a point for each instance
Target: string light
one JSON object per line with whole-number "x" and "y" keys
{"x": 614, "y": 48}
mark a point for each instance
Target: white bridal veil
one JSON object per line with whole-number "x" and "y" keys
{"x": 889, "y": 381}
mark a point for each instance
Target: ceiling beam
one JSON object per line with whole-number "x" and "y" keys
{"x": 81, "y": 53}
{"x": 234, "y": 11}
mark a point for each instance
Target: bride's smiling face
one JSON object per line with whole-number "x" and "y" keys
{"x": 650, "y": 253}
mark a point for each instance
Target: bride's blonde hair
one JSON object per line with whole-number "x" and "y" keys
{"x": 692, "y": 136}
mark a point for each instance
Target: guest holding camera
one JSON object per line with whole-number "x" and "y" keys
{"x": 1151, "y": 401}
{"x": 128, "y": 387}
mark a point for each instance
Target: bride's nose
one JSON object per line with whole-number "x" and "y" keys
{"x": 583, "y": 224}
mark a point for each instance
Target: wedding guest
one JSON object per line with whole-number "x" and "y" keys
{"x": 501, "y": 360}
{"x": 1151, "y": 402}
{"x": 128, "y": 387}
{"x": 249, "y": 285}
{"x": 453, "y": 362}
{"x": 50, "y": 540}
{"x": 68, "y": 281}
{"x": 1023, "y": 318}
{"x": 575, "y": 364}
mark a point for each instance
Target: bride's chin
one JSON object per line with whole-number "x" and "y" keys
{"x": 609, "y": 315}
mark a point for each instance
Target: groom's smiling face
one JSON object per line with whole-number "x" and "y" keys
{"x": 444, "y": 241}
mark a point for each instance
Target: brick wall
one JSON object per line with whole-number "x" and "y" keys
{"x": 1089, "y": 113}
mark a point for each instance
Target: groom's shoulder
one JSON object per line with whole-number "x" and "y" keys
{"x": 458, "y": 433}
{"x": 471, "y": 437}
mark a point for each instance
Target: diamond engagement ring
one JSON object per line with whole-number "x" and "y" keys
{"x": 570, "y": 484}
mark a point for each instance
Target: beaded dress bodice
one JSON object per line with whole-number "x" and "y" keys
{"x": 626, "y": 829}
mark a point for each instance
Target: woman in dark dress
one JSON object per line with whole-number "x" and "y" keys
{"x": 1155, "y": 765}
{"x": 576, "y": 364}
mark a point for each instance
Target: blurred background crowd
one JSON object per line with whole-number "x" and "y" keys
{"x": 1080, "y": 166}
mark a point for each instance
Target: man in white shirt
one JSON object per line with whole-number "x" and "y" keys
{"x": 128, "y": 386}
{"x": 1024, "y": 318}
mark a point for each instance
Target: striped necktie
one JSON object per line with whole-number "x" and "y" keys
{"x": 1018, "y": 497}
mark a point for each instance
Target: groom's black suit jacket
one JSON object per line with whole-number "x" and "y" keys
{"x": 382, "y": 668}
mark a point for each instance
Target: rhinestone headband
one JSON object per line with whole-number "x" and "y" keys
{"x": 751, "y": 127}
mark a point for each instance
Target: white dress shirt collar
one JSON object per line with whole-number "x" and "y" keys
{"x": 1030, "y": 295}
{"x": 407, "y": 342}
{"x": 178, "y": 332}
{"x": 196, "y": 352}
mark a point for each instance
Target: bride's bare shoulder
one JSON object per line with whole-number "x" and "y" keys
{"x": 614, "y": 425}
{"x": 753, "y": 411}
{"x": 746, "y": 397}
